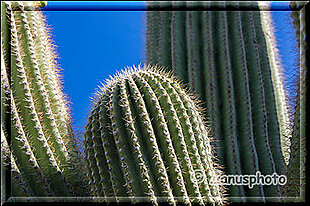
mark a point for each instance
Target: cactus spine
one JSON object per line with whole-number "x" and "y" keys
{"x": 226, "y": 58}
{"x": 149, "y": 135}
{"x": 45, "y": 158}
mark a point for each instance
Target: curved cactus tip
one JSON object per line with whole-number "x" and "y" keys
{"x": 128, "y": 71}
{"x": 144, "y": 124}
{"x": 150, "y": 67}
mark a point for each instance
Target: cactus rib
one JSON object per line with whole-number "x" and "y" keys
{"x": 229, "y": 61}
{"x": 45, "y": 154}
{"x": 153, "y": 137}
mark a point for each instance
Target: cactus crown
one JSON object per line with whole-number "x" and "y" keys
{"x": 148, "y": 133}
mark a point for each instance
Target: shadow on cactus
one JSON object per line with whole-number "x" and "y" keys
{"x": 145, "y": 140}
{"x": 229, "y": 58}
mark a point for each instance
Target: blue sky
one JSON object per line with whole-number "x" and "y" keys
{"x": 285, "y": 33}
{"x": 94, "y": 44}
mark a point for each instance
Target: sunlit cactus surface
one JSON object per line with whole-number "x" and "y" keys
{"x": 146, "y": 141}
{"x": 36, "y": 135}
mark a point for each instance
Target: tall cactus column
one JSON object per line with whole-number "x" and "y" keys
{"x": 226, "y": 58}
{"x": 148, "y": 134}
{"x": 44, "y": 152}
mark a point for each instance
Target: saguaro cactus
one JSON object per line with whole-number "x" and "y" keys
{"x": 35, "y": 120}
{"x": 229, "y": 60}
{"x": 146, "y": 141}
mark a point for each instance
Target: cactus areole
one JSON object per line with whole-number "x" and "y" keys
{"x": 146, "y": 141}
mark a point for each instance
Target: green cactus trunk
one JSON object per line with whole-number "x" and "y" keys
{"x": 148, "y": 134}
{"x": 296, "y": 167}
{"x": 230, "y": 62}
{"x": 34, "y": 117}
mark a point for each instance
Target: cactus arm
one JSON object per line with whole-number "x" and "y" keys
{"x": 143, "y": 114}
{"x": 160, "y": 173}
{"x": 47, "y": 65}
{"x": 249, "y": 158}
{"x": 164, "y": 138}
{"x": 277, "y": 109}
{"x": 37, "y": 87}
{"x": 21, "y": 88}
{"x": 5, "y": 83}
{"x": 42, "y": 54}
{"x": 178, "y": 44}
{"x": 38, "y": 145}
{"x": 38, "y": 91}
{"x": 229, "y": 125}
{"x": 268, "y": 40}
{"x": 58, "y": 112}
{"x": 58, "y": 115}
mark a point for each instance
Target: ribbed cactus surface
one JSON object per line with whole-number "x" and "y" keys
{"x": 296, "y": 168}
{"x": 146, "y": 141}
{"x": 35, "y": 120}
{"x": 229, "y": 59}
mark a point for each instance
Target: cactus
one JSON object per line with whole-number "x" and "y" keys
{"x": 296, "y": 167}
{"x": 229, "y": 59}
{"x": 145, "y": 141}
{"x": 35, "y": 120}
